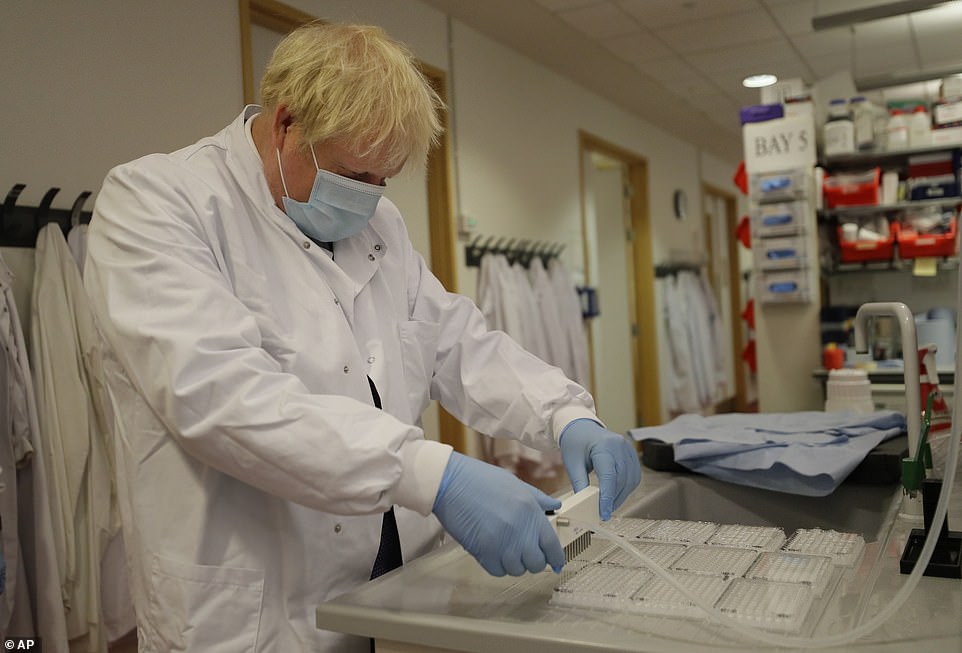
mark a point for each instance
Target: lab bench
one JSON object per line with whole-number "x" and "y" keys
{"x": 444, "y": 601}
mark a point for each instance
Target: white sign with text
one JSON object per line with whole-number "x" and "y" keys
{"x": 780, "y": 144}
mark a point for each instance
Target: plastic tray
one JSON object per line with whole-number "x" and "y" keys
{"x": 868, "y": 250}
{"x": 853, "y": 189}
{"x": 914, "y": 245}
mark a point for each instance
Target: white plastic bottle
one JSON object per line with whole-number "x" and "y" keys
{"x": 897, "y": 131}
{"x": 920, "y": 128}
{"x": 863, "y": 115}
{"x": 839, "y": 130}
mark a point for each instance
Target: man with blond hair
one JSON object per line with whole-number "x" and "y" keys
{"x": 272, "y": 339}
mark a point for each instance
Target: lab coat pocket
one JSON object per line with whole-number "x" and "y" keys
{"x": 203, "y": 608}
{"x": 419, "y": 347}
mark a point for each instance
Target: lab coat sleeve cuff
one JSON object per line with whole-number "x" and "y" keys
{"x": 566, "y": 415}
{"x": 422, "y": 466}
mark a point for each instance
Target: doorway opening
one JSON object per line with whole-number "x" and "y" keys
{"x": 623, "y": 339}
{"x": 728, "y": 269}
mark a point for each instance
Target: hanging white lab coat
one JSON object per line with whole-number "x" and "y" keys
{"x": 572, "y": 322}
{"x": 683, "y": 391}
{"x": 63, "y": 340}
{"x": 253, "y": 467}
{"x": 508, "y": 304}
{"x": 116, "y": 604}
{"x": 35, "y": 500}
{"x": 16, "y": 451}
{"x": 547, "y": 307}
{"x": 719, "y": 350}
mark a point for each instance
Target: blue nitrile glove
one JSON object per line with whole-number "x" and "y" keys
{"x": 586, "y": 445}
{"x": 497, "y": 518}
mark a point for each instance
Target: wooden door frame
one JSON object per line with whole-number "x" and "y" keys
{"x": 283, "y": 18}
{"x": 642, "y": 285}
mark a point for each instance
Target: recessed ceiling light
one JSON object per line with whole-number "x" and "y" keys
{"x": 758, "y": 81}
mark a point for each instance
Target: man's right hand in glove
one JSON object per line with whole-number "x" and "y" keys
{"x": 497, "y": 518}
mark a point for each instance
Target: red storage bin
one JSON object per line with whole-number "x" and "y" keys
{"x": 915, "y": 245}
{"x": 853, "y": 189}
{"x": 859, "y": 251}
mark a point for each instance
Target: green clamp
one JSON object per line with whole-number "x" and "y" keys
{"x": 913, "y": 469}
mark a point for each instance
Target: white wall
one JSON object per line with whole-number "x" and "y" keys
{"x": 90, "y": 85}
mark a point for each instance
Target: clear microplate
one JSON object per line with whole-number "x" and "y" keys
{"x": 629, "y": 527}
{"x": 657, "y": 597}
{"x": 716, "y": 561}
{"x": 679, "y": 532}
{"x": 787, "y": 567}
{"x": 600, "y": 587}
{"x": 845, "y": 549}
{"x": 773, "y": 606}
{"x": 661, "y": 554}
{"x": 762, "y": 538}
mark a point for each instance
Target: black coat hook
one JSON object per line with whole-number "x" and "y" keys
{"x": 11, "y": 199}
{"x": 76, "y": 211}
{"x": 43, "y": 214}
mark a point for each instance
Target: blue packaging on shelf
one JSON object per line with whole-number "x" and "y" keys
{"x": 761, "y": 112}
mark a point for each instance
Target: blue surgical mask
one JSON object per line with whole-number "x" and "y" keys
{"x": 338, "y": 207}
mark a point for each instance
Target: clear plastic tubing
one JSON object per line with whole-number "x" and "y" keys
{"x": 863, "y": 629}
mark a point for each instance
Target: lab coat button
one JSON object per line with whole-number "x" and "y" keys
{"x": 370, "y": 257}
{"x": 370, "y": 359}
{"x": 307, "y": 244}
{"x": 337, "y": 301}
{"x": 346, "y": 369}
{"x": 377, "y": 248}
{"x": 337, "y": 528}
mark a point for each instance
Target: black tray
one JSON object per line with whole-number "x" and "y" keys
{"x": 882, "y": 465}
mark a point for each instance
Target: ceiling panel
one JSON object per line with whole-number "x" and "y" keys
{"x": 668, "y": 69}
{"x": 692, "y": 54}
{"x": 793, "y": 17}
{"x": 561, "y": 5}
{"x": 695, "y": 86}
{"x": 638, "y": 47}
{"x": 600, "y": 20}
{"x": 662, "y": 13}
{"x": 748, "y": 58}
{"x": 722, "y": 32}
{"x": 827, "y": 42}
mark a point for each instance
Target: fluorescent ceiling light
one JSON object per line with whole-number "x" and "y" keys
{"x": 866, "y": 14}
{"x": 758, "y": 81}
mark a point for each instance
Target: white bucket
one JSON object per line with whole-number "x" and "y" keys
{"x": 849, "y": 389}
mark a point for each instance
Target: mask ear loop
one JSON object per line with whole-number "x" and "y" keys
{"x": 280, "y": 169}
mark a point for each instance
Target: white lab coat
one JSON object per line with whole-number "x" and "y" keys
{"x": 34, "y": 523}
{"x": 253, "y": 467}
{"x": 572, "y": 322}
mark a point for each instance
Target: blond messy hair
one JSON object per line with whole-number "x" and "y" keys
{"x": 354, "y": 85}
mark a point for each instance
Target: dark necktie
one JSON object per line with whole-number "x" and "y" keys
{"x": 389, "y": 552}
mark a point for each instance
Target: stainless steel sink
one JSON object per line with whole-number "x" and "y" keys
{"x": 863, "y": 509}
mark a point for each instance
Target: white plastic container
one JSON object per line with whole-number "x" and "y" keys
{"x": 839, "y": 131}
{"x": 849, "y": 389}
{"x": 863, "y": 116}
{"x": 897, "y": 131}
{"x": 920, "y": 128}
